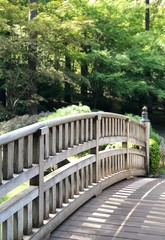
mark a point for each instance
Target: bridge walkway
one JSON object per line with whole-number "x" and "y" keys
{"x": 130, "y": 209}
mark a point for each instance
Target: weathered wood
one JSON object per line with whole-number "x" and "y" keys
{"x": 18, "y": 155}
{"x": 1, "y": 164}
{"x": 27, "y": 219}
{"x": 53, "y": 199}
{"x": 42, "y": 146}
{"x": 18, "y": 225}
{"x": 28, "y": 151}
{"x": 8, "y": 157}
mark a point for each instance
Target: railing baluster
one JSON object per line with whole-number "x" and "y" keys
{"x": 28, "y": 151}
{"x": 7, "y": 229}
{"x": 86, "y": 130}
{"x": 18, "y": 225}
{"x": 72, "y": 185}
{"x": 53, "y": 199}
{"x": 82, "y": 132}
{"x": 18, "y": 155}
{"x": 46, "y": 204}
{"x": 8, "y": 153}
{"x": 66, "y": 190}
{"x": 1, "y": 161}
{"x": 28, "y": 219}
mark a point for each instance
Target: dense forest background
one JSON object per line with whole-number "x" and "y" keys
{"x": 109, "y": 55}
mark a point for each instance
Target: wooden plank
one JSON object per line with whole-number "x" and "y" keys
{"x": 109, "y": 216}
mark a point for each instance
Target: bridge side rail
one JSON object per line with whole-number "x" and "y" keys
{"x": 31, "y": 155}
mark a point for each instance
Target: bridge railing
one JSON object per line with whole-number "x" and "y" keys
{"x": 33, "y": 155}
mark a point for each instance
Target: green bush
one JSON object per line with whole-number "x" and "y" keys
{"x": 154, "y": 157}
{"x": 70, "y": 110}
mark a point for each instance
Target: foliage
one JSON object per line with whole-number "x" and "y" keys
{"x": 25, "y": 120}
{"x": 81, "y": 51}
{"x": 154, "y": 157}
{"x": 155, "y": 136}
{"x": 162, "y": 170}
{"x": 70, "y": 110}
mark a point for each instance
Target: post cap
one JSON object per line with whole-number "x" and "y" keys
{"x": 144, "y": 115}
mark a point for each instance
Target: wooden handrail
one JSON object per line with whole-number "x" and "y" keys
{"x": 32, "y": 155}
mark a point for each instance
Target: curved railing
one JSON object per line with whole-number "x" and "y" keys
{"x": 50, "y": 197}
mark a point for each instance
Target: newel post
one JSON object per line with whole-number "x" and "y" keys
{"x": 40, "y": 152}
{"x": 96, "y": 127}
{"x": 146, "y": 123}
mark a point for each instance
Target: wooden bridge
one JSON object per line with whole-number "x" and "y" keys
{"x": 33, "y": 155}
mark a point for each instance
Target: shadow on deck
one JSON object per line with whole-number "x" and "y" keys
{"x": 130, "y": 209}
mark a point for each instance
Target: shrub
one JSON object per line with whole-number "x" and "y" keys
{"x": 154, "y": 157}
{"x": 70, "y": 110}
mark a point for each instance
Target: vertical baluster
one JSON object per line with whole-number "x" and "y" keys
{"x": 77, "y": 137}
{"x": 72, "y": 186}
{"x": 113, "y": 127}
{"x": 106, "y": 127}
{"x": 110, "y": 166}
{"x": 65, "y": 144}
{"x": 27, "y": 219}
{"x": 1, "y": 236}
{"x": 121, "y": 127}
{"x": 18, "y": 155}
{"x": 53, "y": 199}
{"x": 86, "y": 177}
{"x": 91, "y": 129}
{"x": 46, "y": 204}
{"x": 1, "y": 161}
{"x": 103, "y": 167}
{"x": 53, "y": 141}
{"x": 102, "y": 128}
{"x": 90, "y": 174}
{"x": 110, "y": 127}
{"x": 82, "y": 179}
{"x": 46, "y": 143}
{"x": 86, "y": 130}
{"x": 18, "y": 225}
{"x": 72, "y": 134}
{"x": 59, "y": 194}
{"x": 66, "y": 189}
{"x": 119, "y": 162}
{"x": 7, "y": 229}
{"x": 77, "y": 182}
{"x": 8, "y": 157}
{"x": 59, "y": 138}
{"x": 82, "y": 137}
{"x": 28, "y": 151}
{"x": 118, "y": 127}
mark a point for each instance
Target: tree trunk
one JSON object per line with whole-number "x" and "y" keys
{"x": 147, "y": 22}
{"x": 68, "y": 89}
{"x": 32, "y": 63}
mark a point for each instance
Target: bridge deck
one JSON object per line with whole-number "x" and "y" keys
{"x": 131, "y": 209}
